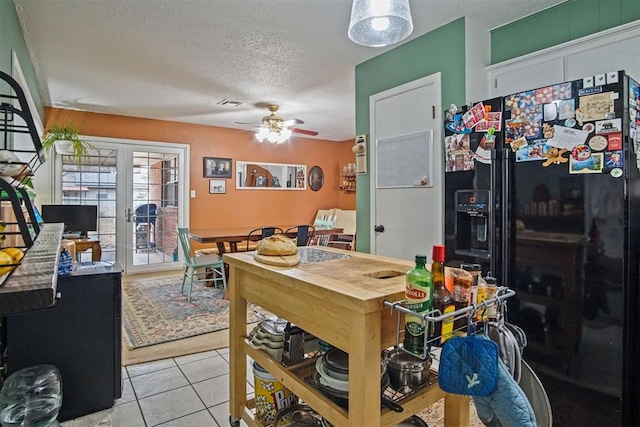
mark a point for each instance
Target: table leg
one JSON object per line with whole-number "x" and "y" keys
{"x": 456, "y": 410}
{"x": 96, "y": 252}
{"x": 237, "y": 358}
{"x": 364, "y": 370}
{"x": 221, "y": 248}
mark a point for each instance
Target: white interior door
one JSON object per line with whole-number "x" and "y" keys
{"x": 410, "y": 213}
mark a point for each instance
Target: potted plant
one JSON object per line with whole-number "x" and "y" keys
{"x": 66, "y": 141}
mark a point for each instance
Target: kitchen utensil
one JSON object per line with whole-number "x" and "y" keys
{"x": 327, "y": 380}
{"x": 337, "y": 360}
{"x": 293, "y": 351}
{"x": 325, "y": 370}
{"x": 406, "y": 372}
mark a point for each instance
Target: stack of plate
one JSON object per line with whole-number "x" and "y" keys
{"x": 332, "y": 376}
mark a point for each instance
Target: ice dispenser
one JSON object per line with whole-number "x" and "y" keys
{"x": 472, "y": 223}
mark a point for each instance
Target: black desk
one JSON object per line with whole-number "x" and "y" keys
{"x": 80, "y": 335}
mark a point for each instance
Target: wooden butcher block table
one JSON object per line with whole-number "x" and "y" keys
{"x": 337, "y": 296}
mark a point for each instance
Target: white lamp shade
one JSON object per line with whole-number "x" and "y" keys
{"x": 377, "y": 23}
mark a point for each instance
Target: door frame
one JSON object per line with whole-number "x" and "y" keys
{"x": 432, "y": 79}
{"x": 121, "y": 203}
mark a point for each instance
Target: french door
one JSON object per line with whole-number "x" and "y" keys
{"x": 140, "y": 193}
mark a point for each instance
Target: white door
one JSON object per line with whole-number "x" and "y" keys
{"x": 409, "y": 216}
{"x": 153, "y": 203}
{"x": 120, "y": 177}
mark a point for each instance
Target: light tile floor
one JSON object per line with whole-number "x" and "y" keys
{"x": 187, "y": 391}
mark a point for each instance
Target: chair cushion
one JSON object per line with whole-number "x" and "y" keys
{"x": 206, "y": 251}
{"x": 205, "y": 260}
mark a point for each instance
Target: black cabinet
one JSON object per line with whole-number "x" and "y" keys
{"x": 81, "y": 335}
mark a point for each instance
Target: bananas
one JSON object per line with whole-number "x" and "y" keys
{"x": 15, "y": 254}
{"x": 9, "y": 256}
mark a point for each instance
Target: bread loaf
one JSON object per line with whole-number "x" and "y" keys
{"x": 278, "y": 244}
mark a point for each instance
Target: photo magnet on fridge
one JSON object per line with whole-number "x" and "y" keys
{"x": 593, "y": 164}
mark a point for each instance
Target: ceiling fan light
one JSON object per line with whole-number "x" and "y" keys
{"x": 286, "y": 133}
{"x": 262, "y": 134}
{"x": 273, "y": 137}
{"x": 377, "y": 23}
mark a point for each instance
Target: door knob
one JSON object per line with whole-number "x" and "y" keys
{"x": 378, "y": 228}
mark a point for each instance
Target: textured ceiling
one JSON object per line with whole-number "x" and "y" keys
{"x": 176, "y": 59}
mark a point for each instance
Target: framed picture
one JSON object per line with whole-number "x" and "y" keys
{"x": 217, "y": 167}
{"x": 217, "y": 186}
{"x": 316, "y": 178}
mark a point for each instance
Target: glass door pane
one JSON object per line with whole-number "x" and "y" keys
{"x": 93, "y": 182}
{"x": 154, "y": 206}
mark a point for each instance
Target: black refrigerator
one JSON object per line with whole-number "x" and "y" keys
{"x": 553, "y": 210}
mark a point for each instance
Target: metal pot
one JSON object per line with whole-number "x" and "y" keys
{"x": 406, "y": 371}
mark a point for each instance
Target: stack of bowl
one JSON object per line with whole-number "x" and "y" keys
{"x": 267, "y": 339}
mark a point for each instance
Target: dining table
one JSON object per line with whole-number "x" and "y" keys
{"x": 234, "y": 235}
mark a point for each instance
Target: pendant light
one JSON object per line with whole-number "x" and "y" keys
{"x": 377, "y": 23}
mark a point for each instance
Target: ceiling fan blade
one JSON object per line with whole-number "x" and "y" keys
{"x": 304, "y": 131}
{"x": 252, "y": 124}
{"x": 292, "y": 122}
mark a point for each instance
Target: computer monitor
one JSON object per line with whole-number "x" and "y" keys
{"x": 76, "y": 218}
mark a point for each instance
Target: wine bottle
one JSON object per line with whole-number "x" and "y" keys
{"x": 442, "y": 298}
{"x": 419, "y": 296}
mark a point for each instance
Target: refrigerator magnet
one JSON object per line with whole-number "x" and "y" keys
{"x": 609, "y": 126}
{"x": 600, "y": 79}
{"x": 587, "y": 82}
{"x": 550, "y": 112}
{"x": 518, "y": 143}
{"x": 616, "y": 172}
{"x": 598, "y": 143}
{"x": 567, "y": 109}
{"x": 612, "y": 77}
{"x": 614, "y": 141}
{"x": 588, "y": 127}
{"x": 554, "y": 155}
{"x": 613, "y": 159}
{"x": 581, "y": 152}
{"x": 593, "y": 164}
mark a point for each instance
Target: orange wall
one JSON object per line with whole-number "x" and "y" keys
{"x": 236, "y": 207}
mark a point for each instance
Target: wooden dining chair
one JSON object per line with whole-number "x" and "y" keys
{"x": 303, "y": 234}
{"x": 262, "y": 232}
{"x": 201, "y": 269}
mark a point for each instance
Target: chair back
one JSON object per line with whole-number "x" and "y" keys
{"x": 185, "y": 244}
{"x": 304, "y": 233}
{"x": 262, "y": 232}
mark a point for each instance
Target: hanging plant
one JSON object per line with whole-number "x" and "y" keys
{"x": 66, "y": 141}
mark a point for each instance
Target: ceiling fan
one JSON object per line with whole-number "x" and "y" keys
{"x": 277, "y": 125}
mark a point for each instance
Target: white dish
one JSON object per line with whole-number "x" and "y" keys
{"x": 329, "y": 381}
{"x": 329, "y": 372}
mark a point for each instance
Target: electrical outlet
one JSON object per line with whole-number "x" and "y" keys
{"x": 193, "y": 194}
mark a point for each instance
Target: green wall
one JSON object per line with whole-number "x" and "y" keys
{"x": 11, "y": 39}
{"x": 562, "y": 23}
{"x": 442, "y": 50}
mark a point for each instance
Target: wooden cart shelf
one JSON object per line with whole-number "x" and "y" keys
{"x": 334, "y": 295}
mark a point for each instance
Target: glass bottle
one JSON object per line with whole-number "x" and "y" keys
{"x": 481, "y": 295}
{"x": 419, "y": 296}
{"x": 492, "y": 291}
{"x": 442, "y": 298}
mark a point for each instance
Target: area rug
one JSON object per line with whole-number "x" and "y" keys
{"x": 154, "y": 311}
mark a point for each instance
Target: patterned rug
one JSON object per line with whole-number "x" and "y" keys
{"x": 154, "y": 311}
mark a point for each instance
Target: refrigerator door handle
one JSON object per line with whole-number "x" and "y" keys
{"x": 504, "y": 220}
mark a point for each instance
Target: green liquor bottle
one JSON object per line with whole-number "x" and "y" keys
{"x": 419, "y": 296}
